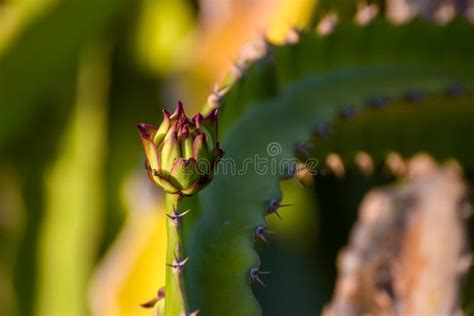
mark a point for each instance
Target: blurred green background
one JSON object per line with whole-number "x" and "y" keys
{"x": 80, "y": 226}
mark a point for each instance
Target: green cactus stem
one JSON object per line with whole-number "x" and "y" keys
{"x": 181, "y": 157}
{"x": 176, "y": 259}
{"x": 221, "y": 245}
{"x": 300, "y": 89}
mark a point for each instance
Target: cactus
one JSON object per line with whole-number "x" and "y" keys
{"x": 311, "y": 97}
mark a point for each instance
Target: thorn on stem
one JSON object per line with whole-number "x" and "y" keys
{"x": 395, "y": 164}
{"x": 322, "y": 130}
{"x": 415, "y": 95}
{"x": 378, "y": 102}
{"x": 178, "y": 264}
{"x": 254, "y": 50}
{"x": 348, "y": 112}
{"x": 176, "y": 216}
{"x": 255, "y": 274}
{"x": 238, "y": 70}
{"x": 215, "y": 99}
{"x": 260, "y": 233}
{"x": 293, "y": 36}
{"x": 273, "y": 206}
{"x": 151, "y": 303}
{"x": 365, "y": 13}
{"x": 456, "y": 90}
{"x": 335, "y": 164}
{"x": 327, "y": 24}
{"x": 303, "y": 149}
{"x": 364, "y": 162}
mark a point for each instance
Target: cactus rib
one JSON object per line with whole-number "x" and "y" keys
{"x": 437, "y": 125}
{"x": 417, "y": 43}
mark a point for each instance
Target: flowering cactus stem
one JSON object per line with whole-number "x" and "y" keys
{"x": 181, "y": 157}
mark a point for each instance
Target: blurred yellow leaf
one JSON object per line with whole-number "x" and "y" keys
{"x": 134, "y": 268}
{"x": 15, "y": 15}
{"x": 72, "y": 221}
{"x": 164, "y": 35}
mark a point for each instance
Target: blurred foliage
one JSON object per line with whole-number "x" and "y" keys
{"x": 12, "y": 224}
{"x": 75, "y": 194}
{"x": 44, "y": 52}
{"x": 30, "y": 160}
{"x": 16, "y": 15}
{"x": 163, "y": 43}
{"x": 134, "y": 266}
{"x": 75, "y": 78}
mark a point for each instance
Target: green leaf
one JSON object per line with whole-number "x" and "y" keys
{"x": 47, "y": 50}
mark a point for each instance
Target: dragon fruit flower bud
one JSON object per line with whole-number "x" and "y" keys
{"x": 181, "y": 154}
